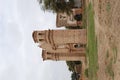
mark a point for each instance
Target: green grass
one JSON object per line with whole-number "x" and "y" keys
{"x": 115, "y": 54}
{"x": 108, "y": 7}
{"x": 109, "y": 69}
{"x": 92, "y": 45}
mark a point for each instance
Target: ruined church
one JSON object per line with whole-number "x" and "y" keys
{"x": 67, "y": 45}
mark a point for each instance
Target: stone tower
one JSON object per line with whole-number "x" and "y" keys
{"x": 61, "y": 44}
{"x": 62, "y": 56}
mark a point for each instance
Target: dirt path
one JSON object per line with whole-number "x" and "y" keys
{"x": 107, "y": 26}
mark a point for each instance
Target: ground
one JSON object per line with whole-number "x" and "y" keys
{"x": 107, "y": 24}
{"x": 103, "y": 62}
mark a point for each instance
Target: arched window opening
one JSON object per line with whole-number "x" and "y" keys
{"x": 78, "y": 46}
{"x": 41, "y": 39}
{"x": 48, "y": 53}
{"x": 40, "y": 33}
{"x": 49, "y": 58}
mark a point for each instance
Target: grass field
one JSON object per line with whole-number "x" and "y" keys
{"x": 92, "y": 45}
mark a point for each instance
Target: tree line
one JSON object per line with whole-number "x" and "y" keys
{"x": 57, "y": 6}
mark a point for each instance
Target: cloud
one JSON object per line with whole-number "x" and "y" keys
{"x": 20, "y": 58}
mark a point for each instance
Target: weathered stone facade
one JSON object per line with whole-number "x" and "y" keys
{"x": 66, "y": 45}
{"x": 63, "y": 19}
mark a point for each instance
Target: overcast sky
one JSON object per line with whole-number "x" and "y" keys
{"x": 20, "y": 58}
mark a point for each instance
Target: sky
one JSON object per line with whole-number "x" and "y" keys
{"x": 20, "y": 57}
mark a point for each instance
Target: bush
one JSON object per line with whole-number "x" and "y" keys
{"x": 86, "y": 72}
{"x": 73, "y": 27}
{"x": 77, "y": 62}
{"x": 71, "y": 65}
{"x": 75, "y": 76}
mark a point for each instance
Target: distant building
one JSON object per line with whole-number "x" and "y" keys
{"x": 74, "y": 19}
{"x": 68, "y": 45}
